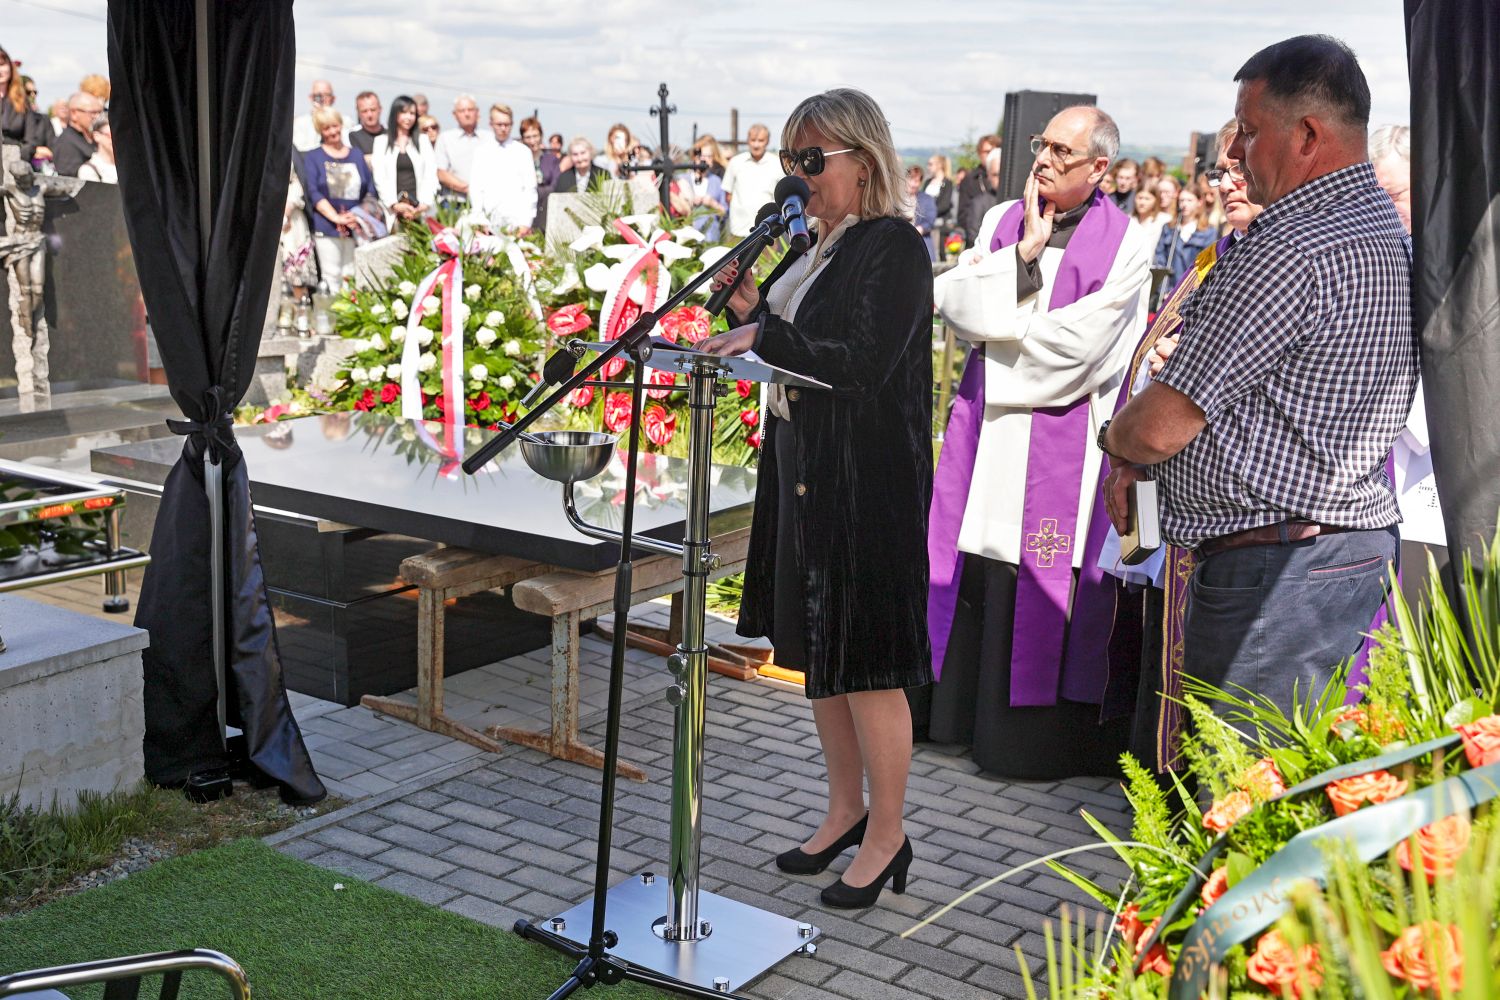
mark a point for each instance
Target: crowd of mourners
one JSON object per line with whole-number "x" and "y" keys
{"x": 72, "y": 139}
{"x": 352, "y": 180}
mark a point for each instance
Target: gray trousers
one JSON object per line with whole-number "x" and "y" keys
{"x": 1269, "y": 618}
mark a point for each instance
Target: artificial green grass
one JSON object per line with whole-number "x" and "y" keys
{"x": 296, "y": 936}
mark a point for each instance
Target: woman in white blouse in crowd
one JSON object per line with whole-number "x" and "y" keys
{"x": 403, "y": 163}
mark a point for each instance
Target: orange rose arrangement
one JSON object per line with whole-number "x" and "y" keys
{"x": 1228, "y": 811}
{"x": 1282, "y": 969}
{"x": 1426, "y": 954}
{"x": 1263, "y": 780}
{"x": 1374, "y": 788}
{"x": 1481, "y": 740}
{"x": 1155, "y": 960}
{"x": 1216, "y": 886}
{"x": 1439, "y": 846}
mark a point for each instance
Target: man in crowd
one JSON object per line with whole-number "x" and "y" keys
{"x": 977, "y": 193}
{"x": 503, "y": 181}
{"x": 75, "y": 146}
{"x": 57, "y": 115}
{"x": 304, "y": 133}
{"x": 455, "y": 151}
{"x": 1127, "y": 176}
{"x": 420, "y": 100}
{"x": 750, "y": 181}
{"x": 579, "y": 173}
{"x": 1270, "y": 424}
{"x": 362, "y": 137}
{"x": 1018, "y": 612}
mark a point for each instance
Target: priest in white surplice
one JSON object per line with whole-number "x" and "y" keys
{"x": 1053, "y": 298}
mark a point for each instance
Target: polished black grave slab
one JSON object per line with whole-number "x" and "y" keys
{"x": 401, "y": 477}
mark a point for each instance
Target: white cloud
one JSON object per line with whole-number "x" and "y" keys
{"x": 940, "y": 72}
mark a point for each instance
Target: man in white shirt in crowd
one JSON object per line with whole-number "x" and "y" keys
{"x": 502, "y": 184}
{"x": 750, "y": 181}
{"x": 304, "y": 133}
{"x": 362, "y": 136}
{"x": 456, "y": 148}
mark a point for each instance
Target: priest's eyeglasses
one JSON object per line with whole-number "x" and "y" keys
{"x": 1059, "y": 153}
{"x": 1235, "y": 174}
{"x": 811, "y": 159}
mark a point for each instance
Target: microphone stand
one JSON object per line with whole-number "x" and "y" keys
{"x": 595, "y": 965}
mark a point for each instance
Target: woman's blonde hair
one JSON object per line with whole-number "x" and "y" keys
{"x": 944, "y": 167}
{"x": 715, "y": 152}
{"x": 324, "y": 117}
{"x": 851, "y": 118}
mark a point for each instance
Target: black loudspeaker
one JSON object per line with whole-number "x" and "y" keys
{"x": 1200, "y": 153}
{"x": 1027, "y": 113}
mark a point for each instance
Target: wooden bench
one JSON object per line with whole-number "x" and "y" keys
{"x": 567, "y": 597}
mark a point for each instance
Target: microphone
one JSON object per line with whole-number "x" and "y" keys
{"x": 557, "y": 370}
{"x": 720, "y": 299}
{"x": 792, "y": 195}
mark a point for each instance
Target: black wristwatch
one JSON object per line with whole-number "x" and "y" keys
{"x": 1099, "y": 439}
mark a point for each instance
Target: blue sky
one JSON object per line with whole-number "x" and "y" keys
{"x": 940, "y": 70}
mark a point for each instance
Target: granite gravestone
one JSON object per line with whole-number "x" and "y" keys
{"x": 91, "y": 300}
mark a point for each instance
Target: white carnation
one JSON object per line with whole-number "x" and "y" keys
{"x": 424, "y": 336}
{"x": 398, "y": 309}
{"x": 398, "y": 334}
{"x": 431, "y": 304}
{"x": 485, "y": 337}
{"x": 513, "y": 348}
{"x": 478, "y": 372}
{"x": 408, "y": 433}
{"x": 378, "y": 309}
{"x": 377, "y": 343}
{"x": 358, "y": 375}
{"x": 494, "y": 318}
{"x": 471, "y": 293}
{"x": 359, "y": 345}
{"x": 393, "y": 372}
{"x": 506, "y": 382}
{"x": 377, "y": 373}
{"x": 426, "y": 362}
{"x": 407, "y": 289}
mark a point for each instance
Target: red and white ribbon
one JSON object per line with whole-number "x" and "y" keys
{"x": 450, "y": 274}
{"x": 619, "y": 310}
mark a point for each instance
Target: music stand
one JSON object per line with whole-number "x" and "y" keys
{"x": 669, "y": 925}
{"x": 679, "y": 950}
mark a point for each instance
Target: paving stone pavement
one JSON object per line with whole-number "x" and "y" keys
{"x": 497, "y": 837}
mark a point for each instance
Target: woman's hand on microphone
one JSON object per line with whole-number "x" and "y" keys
{"x": 736, "y": 341}
{"x": 745, "y": 296}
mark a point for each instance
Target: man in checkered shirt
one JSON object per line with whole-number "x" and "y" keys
{"x": 1269, "y": 426}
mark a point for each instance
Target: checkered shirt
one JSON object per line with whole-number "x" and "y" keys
{"x": 1299, "y": 350}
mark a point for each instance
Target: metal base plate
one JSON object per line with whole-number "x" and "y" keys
{"x": 745, "y": 942}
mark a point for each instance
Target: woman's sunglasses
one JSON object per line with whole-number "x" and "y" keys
{"x": 811, "y": 159}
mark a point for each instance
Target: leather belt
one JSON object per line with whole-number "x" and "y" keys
{"x": 1283, "y": 533}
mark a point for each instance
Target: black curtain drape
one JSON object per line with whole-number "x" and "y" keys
{"x": 206, "y": 292}
{"x": 1453, "y": 47}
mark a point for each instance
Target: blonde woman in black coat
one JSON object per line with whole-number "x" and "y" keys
{"x": 837, "y": 572}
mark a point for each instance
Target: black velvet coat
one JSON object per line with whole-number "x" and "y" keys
{"x": 864, "y": 451}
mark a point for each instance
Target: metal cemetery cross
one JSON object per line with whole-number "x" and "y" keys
{"x": 662, "y": 162}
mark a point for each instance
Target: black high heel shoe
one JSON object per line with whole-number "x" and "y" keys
{"x": 799, "y": 862}
{"x": 843, "y": 896}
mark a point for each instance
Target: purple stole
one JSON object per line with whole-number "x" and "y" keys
{"x": 1061, "y": 631}
{"x": 1178, "y": 572}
